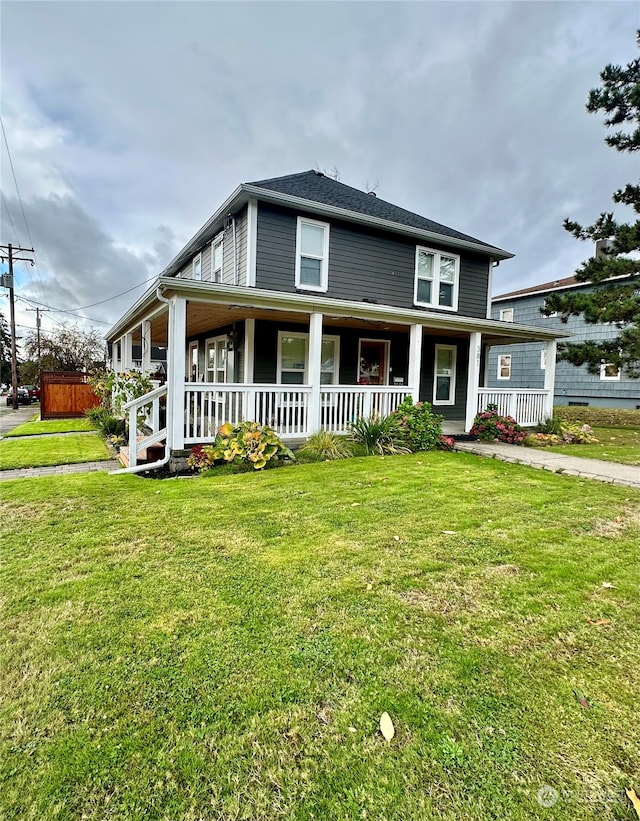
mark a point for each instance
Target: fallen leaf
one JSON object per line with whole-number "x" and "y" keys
{"x": 355, "y": 504}
{"x": 386, "y": 726}
{"x": 631, "y": 795}
{"x": 582, "y": 701}
{"x": 449, "y": 532}
{"x": 369, "y": 586}
{"x": 396, "y": 538}
{"x": 599, "y": 622}
{"x": 608, "y": 585}
{"x": 352, "y": 730}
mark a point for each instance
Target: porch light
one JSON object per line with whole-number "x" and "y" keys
{"x": 232, "y": 341}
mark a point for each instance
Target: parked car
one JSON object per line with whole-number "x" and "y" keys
{"x": 23, "y": 397}
{"x": 34, "y": 392}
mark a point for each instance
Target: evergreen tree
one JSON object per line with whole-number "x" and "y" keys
{"x": 616, "y": 301}
{"x": 5, "y": 351}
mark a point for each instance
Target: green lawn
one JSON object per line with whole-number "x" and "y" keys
{"x": 614, "y": 445}
{"x": 51, "y": 426}
{"x": 23, "y": 452}
{"x": 224, "y": 648}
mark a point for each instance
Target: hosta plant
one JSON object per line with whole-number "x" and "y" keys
{"x": 247, "y": 442}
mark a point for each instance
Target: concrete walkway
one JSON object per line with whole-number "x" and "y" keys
{"x": 542, "y": 458}
{"x": 60, "y": 470}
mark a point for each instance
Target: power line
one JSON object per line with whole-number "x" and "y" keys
{"x": 122, "y": 293}
{"x": 6, "y": 208}
{"x": 24, "y": 216}
{"x": 61, "y": 310}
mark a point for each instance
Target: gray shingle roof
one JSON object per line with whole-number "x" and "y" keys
{"x": 317, "y": 187}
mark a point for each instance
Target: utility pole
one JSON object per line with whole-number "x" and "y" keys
{"x": 38, "y": 311}
{"x": 7, "y": 282}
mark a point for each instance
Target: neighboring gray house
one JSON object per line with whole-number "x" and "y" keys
{"x": 304, "y": 303}
{"x": 523, "y": 366}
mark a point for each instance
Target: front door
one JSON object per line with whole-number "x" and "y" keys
{"x": 373, "y": 359}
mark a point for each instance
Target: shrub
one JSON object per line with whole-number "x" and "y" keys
{"x": 541, "y": 440}
{"x": 248, "y": 442}
{"x": 116, "y": 389}
{"x": 379, "y": 434}
{"x": 103, "y": 421}
{"x": 445, "y": 443}
{"x": 322, "y": 446}
{"x": 551, "y": 425}
{"x": 422, "y": 428}
{"x": 489, "y": 426}
{"x": 578, "y": 435}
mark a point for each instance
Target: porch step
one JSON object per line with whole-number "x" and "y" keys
{"x": 152, "y": 454}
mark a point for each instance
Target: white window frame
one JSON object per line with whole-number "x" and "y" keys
{"x": 435, "y": 287}
{"x": 214, "y": 340}
{"x": 543, "y": 359}
{"x": 193, "y": 346}
{"x": 324, "y": 259}
{"x": 506, "y": 314}
{"x": 196, "y": 264}
{"x": 507, "y": 364}
{"x": 218, "y": 241}
{"x": 452, "y": 389}
{"x": 305, "y": 336}
{"x": 603, "y": 372}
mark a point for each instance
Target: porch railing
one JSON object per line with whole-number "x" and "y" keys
{"x": 341, "y": 404}
{"x": 145, "y": 412}
{"x": 526, "y": 406}
{"x": 284, "y": 407}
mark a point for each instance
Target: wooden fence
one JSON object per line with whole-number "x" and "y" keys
{"x": 65, "y": 394}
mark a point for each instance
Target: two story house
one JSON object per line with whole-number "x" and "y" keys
{"x": 304, "y": 303}
{"x": 524, "y": 366}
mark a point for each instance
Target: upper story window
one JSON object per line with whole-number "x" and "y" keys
{"x": 216, "y": 259}
{"x": 196, "y": 267}
{"x": 506, "y": 314}
{"x": 609, "y": 372}
{"x": 312, "y": 255}
{"x": 437, "y": 276}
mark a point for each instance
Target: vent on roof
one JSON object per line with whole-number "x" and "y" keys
{"x": 372, "y": 193}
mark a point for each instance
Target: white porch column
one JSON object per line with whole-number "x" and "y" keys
{"x": 415, "y": 357}
{"x": 473, "y": 378}
{"x": 315, "y": 363}
{"x": 126, "y": 352}
{"x": 176, "y": 370}
{"x": 249, "y": 344}
{"x": 146, "y": 345}
{"x": 550, "y": 376}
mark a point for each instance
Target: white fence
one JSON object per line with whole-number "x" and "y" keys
{"x": 527, "y": 407}
{"x": 341, "y": 404}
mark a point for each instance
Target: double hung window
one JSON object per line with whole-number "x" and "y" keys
{"x": 312, "y": 255}
{"x": 436, "y": 279}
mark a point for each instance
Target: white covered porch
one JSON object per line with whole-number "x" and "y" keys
{"x": 182, "y": 413}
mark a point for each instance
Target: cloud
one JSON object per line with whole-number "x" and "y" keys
{"x": 129, "y": 123}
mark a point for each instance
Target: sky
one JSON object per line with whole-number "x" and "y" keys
{"x": 128, "y": 123}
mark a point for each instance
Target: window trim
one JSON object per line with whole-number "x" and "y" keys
{"x": 604, "y": 378}
{"x": 543, "y": 359}
{"x": 436, "y": 279}
{"x": 197, "y": 259}
{"x": 193, "y": 346}
{"x": 302, "y": 335}
{"x": 387, "y": 357}
{"x": 324, "y": 259}
{"x": 219, "y": 240}
{"x": 214, "y": 340}
{"x": 510, "y": 365}
{"x": 452, "y": 389}
{"x": 509, "y": 311}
